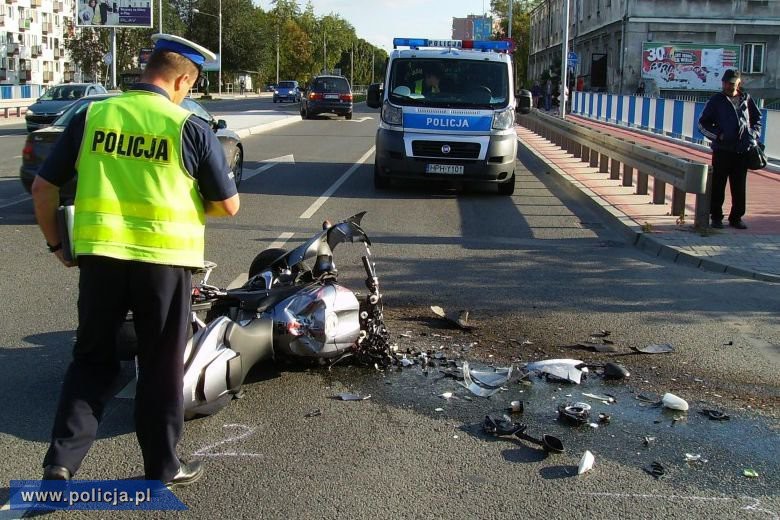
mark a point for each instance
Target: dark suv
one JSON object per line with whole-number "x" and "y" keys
{"x": 327, "y": 94}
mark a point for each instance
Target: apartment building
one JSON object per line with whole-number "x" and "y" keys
{"x": 32, "y": 45}
{"x": 672, "y": 46}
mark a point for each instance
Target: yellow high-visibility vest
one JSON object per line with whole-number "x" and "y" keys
{"x": 135, "y": 200}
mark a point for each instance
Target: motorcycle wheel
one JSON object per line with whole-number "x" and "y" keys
{"x": 264, "y": 259}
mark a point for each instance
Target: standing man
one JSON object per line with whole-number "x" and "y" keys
{"x": 548, "y": 92}
{"x": 732, "y": 122}
{"x": 148, "y": 174}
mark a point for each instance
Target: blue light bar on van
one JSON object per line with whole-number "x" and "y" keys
{"x": 501, "y": 45}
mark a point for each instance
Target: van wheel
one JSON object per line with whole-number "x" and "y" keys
{"x": 380, "y": 183}
{"x": 508, "y": 187}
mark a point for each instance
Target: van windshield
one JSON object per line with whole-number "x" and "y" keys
{"x": 449, "y": 83}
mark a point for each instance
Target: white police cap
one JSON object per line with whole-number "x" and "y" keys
{"x": 194, "y": 52}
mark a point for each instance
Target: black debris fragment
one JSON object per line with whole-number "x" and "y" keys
{"x": 503, "y": 426}
{"x": 314, "y": 413}
{"x": 615, "y": 371}
{"x": 598, "y": 347}
{"x": 715, "y": 415}
{"x": 655, "y": 469}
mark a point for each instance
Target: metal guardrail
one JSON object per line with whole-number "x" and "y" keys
{"x": 14, "y": 107}
{"x": 606, "y": 152}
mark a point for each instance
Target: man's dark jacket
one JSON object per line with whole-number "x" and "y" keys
{"x": 731, "y": 129}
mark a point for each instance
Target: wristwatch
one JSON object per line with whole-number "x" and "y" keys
{"x": 54, "y": 248}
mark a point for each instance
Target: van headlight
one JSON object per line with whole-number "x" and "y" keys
{"x": 392, "y": 115}
{"x": 504, "y": 119}
{"x": 29, "y": 112}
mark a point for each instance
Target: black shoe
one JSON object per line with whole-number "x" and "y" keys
{"x": 737, "y": 224}
{"x": 52, "y": 472}
{"x": 187, "y": 474}
{"x": 717, "y": 224}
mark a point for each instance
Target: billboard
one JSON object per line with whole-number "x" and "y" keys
{"x": 114, "y": 13}
{"x": 681, "y": 66}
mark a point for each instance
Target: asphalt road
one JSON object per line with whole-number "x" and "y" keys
{"x": 539, "y": 266}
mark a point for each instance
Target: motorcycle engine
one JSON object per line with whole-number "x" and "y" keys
{"x": 320, "y": 321}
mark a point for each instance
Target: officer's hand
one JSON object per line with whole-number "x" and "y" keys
{"x": 61, "y": 257}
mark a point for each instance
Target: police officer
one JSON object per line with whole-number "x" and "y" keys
{"x": 429, "y": 83}
{"x": 148, "y": 174}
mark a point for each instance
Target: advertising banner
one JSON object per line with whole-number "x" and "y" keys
{"x": 688, "y": 66}
{"x": 483, "y": 28}
{"x": 114, "y": 13}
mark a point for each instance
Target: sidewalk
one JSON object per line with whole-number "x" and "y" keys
{"x": 752, "y": 253}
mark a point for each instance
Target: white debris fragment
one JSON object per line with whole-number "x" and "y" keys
{"x": 673, "y": 402}
{"x": 447, "y": 395}
{"x": 586, "y": 463}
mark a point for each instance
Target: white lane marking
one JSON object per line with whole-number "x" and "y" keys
{"x": 330, "y": 191}
{"x": 279, "y": 242}
{"x": 25, "y": 199}
{"x": 268, "y": 164}
{"x": 17, "y": 156}
{"x": 360, "y": 119}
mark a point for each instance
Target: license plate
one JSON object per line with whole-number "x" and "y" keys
{"x": 451, "y": 169}
{"x": 331, "y": 96}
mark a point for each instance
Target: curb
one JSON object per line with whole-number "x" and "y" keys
{"x": 259, "y": 129}
{"x": 645, "y": 241}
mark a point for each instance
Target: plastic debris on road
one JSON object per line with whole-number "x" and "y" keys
{"x": 660, "y": 348}
{"x": 607, "y": 399}
{"x": 516, "y": 407}
{"x": 461, "y": 319}
{"x": 570, "y": 370}
{"x": 750, "y": 473}
{"x": 502, "y": 426}
{"x": 345, "y": 396}
{"x": 673, "y": 402}
{"x": 694, "y": 457}
{"x": 484, "y": 383}
{"x": 575, "y": 414}
{"x": 586, "y": 462}
{"x": 447, "y": 395}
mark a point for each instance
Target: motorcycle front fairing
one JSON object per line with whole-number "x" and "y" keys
{"x": 348, "y": 230}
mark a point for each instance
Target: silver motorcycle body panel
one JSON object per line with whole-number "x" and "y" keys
{"x": 321, "y": 321}
{"x": 206, "y": 361}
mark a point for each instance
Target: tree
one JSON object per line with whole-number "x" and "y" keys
{"x": 521, "y": 30}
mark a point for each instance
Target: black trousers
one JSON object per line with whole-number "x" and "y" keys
{"x": 159, "y": 297}
{"x": 731, "y": 167}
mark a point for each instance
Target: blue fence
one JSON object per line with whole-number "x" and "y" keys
{"x": 669, "y": 117}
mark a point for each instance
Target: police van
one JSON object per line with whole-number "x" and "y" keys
{"x": 447, "y": 113}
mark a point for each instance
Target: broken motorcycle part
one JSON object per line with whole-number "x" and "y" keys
{"x": 484, "y": 383}
{"x": 715, "y": 415}
{"x": 660, "y": 348}
{"x": 575, "y": 414}
{"x": 461, "y": 318}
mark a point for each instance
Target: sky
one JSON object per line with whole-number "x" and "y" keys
{"x": 379, "y": 21}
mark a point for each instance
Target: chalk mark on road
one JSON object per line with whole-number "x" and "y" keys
{"x": 246, "y": 431}
{"x": 330, "y": 191}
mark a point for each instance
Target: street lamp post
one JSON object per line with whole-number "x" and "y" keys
{"x": 198, "y": 11}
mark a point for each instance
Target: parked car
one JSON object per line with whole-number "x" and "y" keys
{"x": 327, "y": 94}
{"x": 40, "y": 142}
{"x": 56, "y": 100}
{"x": 524, "y": 101}
{"x": 270, "y": 88}
{"x": 287, "y": 91}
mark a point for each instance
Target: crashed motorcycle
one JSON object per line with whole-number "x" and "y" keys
{"x": 291, "y": 306}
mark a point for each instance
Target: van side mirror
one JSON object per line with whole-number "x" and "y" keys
{"x": 374, "y": 95}
{"x": 221, "y": 123}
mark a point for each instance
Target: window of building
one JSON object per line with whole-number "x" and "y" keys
{"x": 753, "y": 58}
